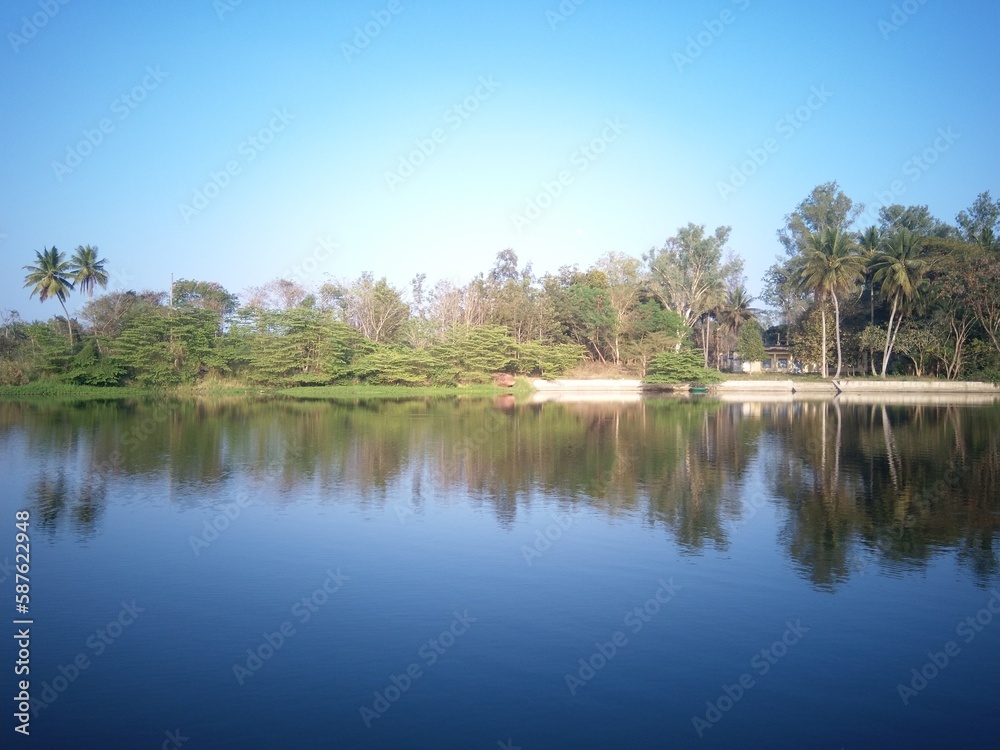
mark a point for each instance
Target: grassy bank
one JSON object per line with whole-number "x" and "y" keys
{"x": 50, "y": 390}
{"x": 521, "y": 388}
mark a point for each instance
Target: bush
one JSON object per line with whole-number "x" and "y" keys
{"x": 673, "y": 368}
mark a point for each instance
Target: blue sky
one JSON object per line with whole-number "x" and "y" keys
{"x": 413, "y": 136}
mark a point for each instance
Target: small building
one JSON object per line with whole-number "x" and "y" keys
{"x": 779, "y": 359}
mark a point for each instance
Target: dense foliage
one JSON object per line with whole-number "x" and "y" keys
{"x": 909, "y": 295}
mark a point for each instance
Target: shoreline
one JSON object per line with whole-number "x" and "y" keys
{"x": 859, "y": 386}
{"x": 788, "y": 385}
{"x": 538, "y": 390}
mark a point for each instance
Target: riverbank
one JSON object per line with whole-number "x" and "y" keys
{"x": 856, "y": 386}
{"x": 558, "y": 389}
{"x": 63, "y": 391}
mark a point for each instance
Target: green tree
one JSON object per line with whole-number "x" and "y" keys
{"x": 477, "y": 350}
{"x": 623, "y": 288}
{"x": 980, "y": 225}
{"x": 783, "y": 292}
{"x": 734, "y": 312}
{"x": 831, "y": 265}
{"x": 204, "y": 295}
{"x": 299, "y": 346}
{"x": 826, "y": 207}
{"x": 373, "y": 307}
{"x": 917, "y": 219}
{"x": 654, "y": 329}
{"x": 900, "y": 269}
{"x": 919, "y": 345}
{"x": 982, "y": 295}
{"x": 690, "y": 272}
{"x": 161, "y": 347}
{"x": 88, "y": 271}
{"x": 750, "y": 344}
{"x": 50, "y": 277}
{"x": 869, "y": 245}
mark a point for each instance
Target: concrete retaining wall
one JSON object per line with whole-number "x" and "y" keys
{"x": 730, "y": 386}
{"x": 587, "y": 385}
{"x": 914, "y": 386}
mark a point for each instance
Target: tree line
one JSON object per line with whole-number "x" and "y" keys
{"x": 909, "y": 294}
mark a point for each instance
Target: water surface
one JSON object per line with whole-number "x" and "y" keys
{"x": 467, "y": 574}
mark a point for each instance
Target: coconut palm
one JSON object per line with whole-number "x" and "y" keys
{"x": 87, "y": 270}
{"x": 49, "y": 277}
{"x": 870, "y": 243}
{"x": 732, "y": 313}
{"x": 831, "y": 265}
{"x": 899, "y": 269}
{"x": 736, "y": 310}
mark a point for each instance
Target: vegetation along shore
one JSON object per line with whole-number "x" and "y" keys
{"x": 887, "y": 293}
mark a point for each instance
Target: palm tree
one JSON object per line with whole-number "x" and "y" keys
{"x": 49, "y": 278}
{"x": 870, "y": 242}
{"x": 735, "y": 311}
{"x": 831, "y": 265}
{"x": 900, "y": 270}
{"x": 87, "y": 270}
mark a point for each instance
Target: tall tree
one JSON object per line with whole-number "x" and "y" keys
{"x": 373, "y": 307}
{"x": 982, "y": 295}
{"x": 831, "y": 265}
{"x": 869, "y": 244}
{"x": 981, "y": 223}
{"x": 733, "y": 313}
{"x": 49, "y": 277}
{"x": 205, "y": 295}
{"x": 624, "y": 285}
{"x": 826, "y": 207}
{"x": 690, "y": 272}
{"x": 917, "y": 219}
{"x": 899, "y": 269}
{"x": 783, "y": 291}
{"x": 88, "y": 271}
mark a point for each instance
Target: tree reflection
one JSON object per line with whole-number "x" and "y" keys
{"x": 855, "y": 485}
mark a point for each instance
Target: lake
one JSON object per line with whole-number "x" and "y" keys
{"x": 445, "y": 573}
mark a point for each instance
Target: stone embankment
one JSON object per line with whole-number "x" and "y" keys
{"x": 844, "y": 386}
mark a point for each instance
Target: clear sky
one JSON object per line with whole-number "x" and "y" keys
{"x": 413, "y": 134}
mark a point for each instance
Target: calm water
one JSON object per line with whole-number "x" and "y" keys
{"x": 445, "y": 574}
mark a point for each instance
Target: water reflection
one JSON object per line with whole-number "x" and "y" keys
{"x": 854, "y": 485}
